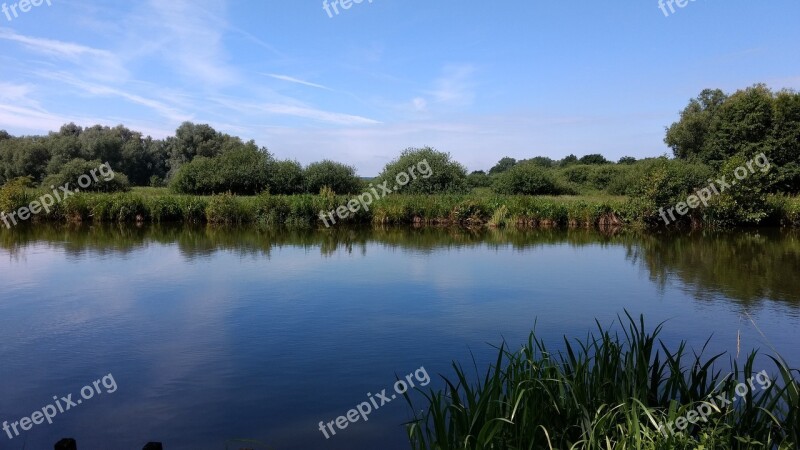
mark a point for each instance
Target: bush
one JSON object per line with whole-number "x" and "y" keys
{"x": 479, "y": 179}
{"x": 13, "y": 195}
{"x": 227, "y": 209}
{"x": 746, "y": 202}
{"x": 339, "y": 177}
{"x": 529, "y": 179}
{"x": 435, "y": 172}
{"x": 88, "y": 176}
{"x": 662, "y": 183}
{"x": 287, "y": 178}
{"x": 244, "y": 170}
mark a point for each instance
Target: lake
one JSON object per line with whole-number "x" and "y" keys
{"x": 213, "y": 334}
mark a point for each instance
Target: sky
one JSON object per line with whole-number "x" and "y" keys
{"x": 480, "y": 80}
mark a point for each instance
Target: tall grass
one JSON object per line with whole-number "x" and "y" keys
{"x": 303, "y": 211}
{"x": 607, "y": 392}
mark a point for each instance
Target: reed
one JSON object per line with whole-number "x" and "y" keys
{"x": 607, "y": 391}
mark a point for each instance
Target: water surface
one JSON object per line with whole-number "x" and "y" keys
{"x": 215, "y": 334}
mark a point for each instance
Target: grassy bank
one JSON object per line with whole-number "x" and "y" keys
{"x": 153, "y": 205}
{"x": 609, "y": 392}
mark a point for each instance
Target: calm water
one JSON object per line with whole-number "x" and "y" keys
{"x": 213, "y": 335}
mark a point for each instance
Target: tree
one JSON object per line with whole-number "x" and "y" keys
{"x": 287, "y": 178}
{"x": 627, "y": 160}
{"x": 339, "y": 177}
{"x": 503, "y": 165}
{"x": 529, "y": 179}
{"x": 436, "y": 172}
{"x": 243, "y": 171}
{"x": 571, "y": 159}
{"x": 81, "y": 174}
{"x": 593, "y": 159}
{"x": 479, "y": 179}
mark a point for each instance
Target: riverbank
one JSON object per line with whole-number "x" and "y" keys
{"x": 478, "y": 209}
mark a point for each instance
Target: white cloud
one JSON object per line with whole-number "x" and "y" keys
{"x": 295, "y": 80}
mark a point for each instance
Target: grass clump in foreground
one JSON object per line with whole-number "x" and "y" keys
{"x": 609, "y": 392}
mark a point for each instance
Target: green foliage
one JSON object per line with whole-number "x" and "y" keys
{"x": 607, "y": 392}
{"x": 244, "y": 170}
{"x": 337, "y": 176}
{"x": 14, "y": 194}
{"x": 662, "y": 183}
{"x": 593, "y": 159}
{"x": 503, "y": 165}
{"x": 746, "y": 202}
{"x": 715, "y": 127}
{"x": 530, "y": 179}
{"x": 286, "y": 178}
{"x": 88, "y": 176}
{"x": 435, "y": 172}
{"x": 479, "y": 179}
{"x": 227, "y": 209}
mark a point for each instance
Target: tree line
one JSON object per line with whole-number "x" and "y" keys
{"x": 714, "y": 130}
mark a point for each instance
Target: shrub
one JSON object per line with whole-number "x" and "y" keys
{"x": 339, "y": 177}
{"x": 286, "y": 178}
{"x": 227, "y": 209}
{"x": 479, "y": 179}
{"x": 244, "y": 170}
{"x": 662, "y": 183}
{"x": 529, "y": 179}
{"x": 99, "y": 176}
{"x": 13, "y": 195}
{"x": 435, "y": 172}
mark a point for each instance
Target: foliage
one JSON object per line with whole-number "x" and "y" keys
{"x": 14, "y": 194}
{"x": 87, "y": 176}
{"x": 286, "y": 178}
{"x": 593, "y": 159}
{"x": 479, "y": 179}
{"x": 715, "y": 127}
{"x": 662, "y": 183}
{"x": 608, "y": 392}
{"x": 503, "y": 165}
{"x": 529, "y": 179}
{"x": 244, "y": 170}
{"x": 436, "y": 172}
{"x": 337, "y": 176}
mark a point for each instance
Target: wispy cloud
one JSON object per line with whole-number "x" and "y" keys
{"x": 317, "y": 114}
{"x": 103, "y": 63}
{"x": 455, "y": 86}
{"x": 296, "y": 80}
{"x": 96, "y": 89}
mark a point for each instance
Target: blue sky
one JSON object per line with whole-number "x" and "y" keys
{"x": 481, "y": 80}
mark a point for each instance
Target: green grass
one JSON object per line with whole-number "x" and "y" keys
{"x": 608, "y": 392}
{"x": 479, "y": 208}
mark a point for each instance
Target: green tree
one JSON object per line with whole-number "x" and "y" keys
{"x": 529, "y": 179}
{"x": 593, "y": 159}
{"x": 436, "y": 172}
{"x": 287, "y": 178}
{"x": 503, "y": 165}
{"x": 337, "y": 176}
{"x": 244, "y": 171}
{"x": 73, "y": 171}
